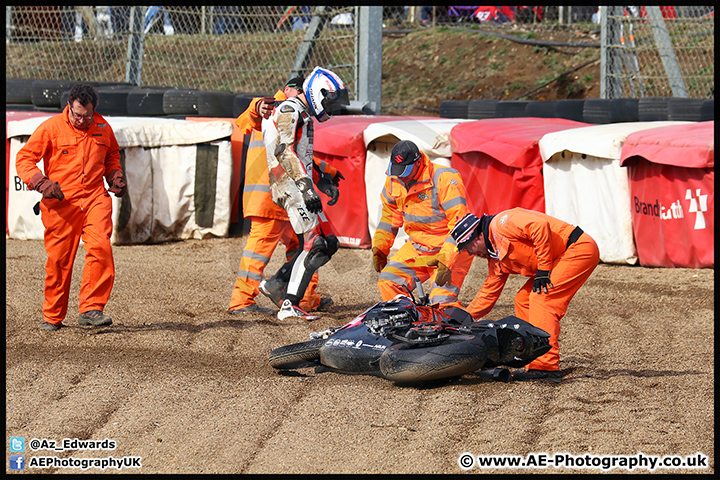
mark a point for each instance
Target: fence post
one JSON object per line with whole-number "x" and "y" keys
{"x": 306, "y": 48}
{"x": 8, "y": 24}
{"x": 136, "y": 37}
{"x": 610, "y": 60}
{"x": 369, "y": 52}
{"x": 667, "y": 53}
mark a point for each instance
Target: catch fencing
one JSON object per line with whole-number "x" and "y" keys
{"x": 646, "y": 51}
{"x": 658, "y": 52}
{"x": 240, "y": 49}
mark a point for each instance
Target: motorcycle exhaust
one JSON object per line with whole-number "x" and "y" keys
{"x": 497, "y": 374}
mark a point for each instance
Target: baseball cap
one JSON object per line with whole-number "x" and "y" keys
{"x": 466, "y": 230}
{"x": 297, "y": 83}
{"x": 404, "y": 154}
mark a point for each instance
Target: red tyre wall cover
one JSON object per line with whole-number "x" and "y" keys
{"x": 500, "y": 163}
{"x": 673, "y": 215}
{"x": 339, "y": 142}
{"x": 493, "y": 186}
{"x": 672, "y": 193}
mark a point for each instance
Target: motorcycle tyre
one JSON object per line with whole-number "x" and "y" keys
{"x": 296, "y": 355}
{"x": 449, "y": 359}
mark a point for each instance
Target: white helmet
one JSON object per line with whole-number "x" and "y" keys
{"x": 322, "y": 90}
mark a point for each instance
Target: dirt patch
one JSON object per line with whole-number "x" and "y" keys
{"x": 421, "y": 68}
{"x": 185, "y": 386}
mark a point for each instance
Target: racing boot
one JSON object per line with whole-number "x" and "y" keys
{"x": 252, "y": 308}
{"x": 325, "y": 302}
{"x": 288, "y": 310}
{"x": 274, "y": 290}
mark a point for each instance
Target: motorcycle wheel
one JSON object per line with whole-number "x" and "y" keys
{"x": 451, "y": 359}
{"x": 296, "y": 354}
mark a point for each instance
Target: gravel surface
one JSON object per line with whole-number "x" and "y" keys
{"x": 184, "y": 385}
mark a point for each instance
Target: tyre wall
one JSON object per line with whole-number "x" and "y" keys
{"x": 590, "y": 110}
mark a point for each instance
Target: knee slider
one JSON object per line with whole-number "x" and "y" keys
{"x": 332, "y": 244}
{"x": 318, "y": 255}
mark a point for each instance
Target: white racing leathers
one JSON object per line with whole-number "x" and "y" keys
{"x": 288, "y": 137}
{"x": 287, "y": 134}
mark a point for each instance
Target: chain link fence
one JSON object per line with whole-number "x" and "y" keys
{"x": 240, "y": 49}
{"x": 659, "y": 52}
{"x": 648, "y": 51}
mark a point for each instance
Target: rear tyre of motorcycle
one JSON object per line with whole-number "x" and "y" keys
{"x": 421, "y": 364}
{"x": 296, "y": 355}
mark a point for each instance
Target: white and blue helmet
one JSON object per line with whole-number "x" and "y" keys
{"x": 323, "y": 89}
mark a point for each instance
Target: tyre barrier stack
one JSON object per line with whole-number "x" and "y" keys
{"x": 481, "y": 108}
{"x": 242, "y": 101}
{"x": 652, "y": 109}
{"x": 590, "y": 110}
{"x": 180, "y": 101}
{"x": 624, "y": 110}
{"x": 511, "y": 108}
{"x": 146, "y": 101}
{"x": 112, "y": 99}
{"x": 685, "y": 109}
{"x": 454, "y": 109}
{"x": 540, "y": 109}
{"x": 707, "y": 110}
{"x": 571, "y": 109}
{"x": 596, "y": 110}
{"x": 125, "y": 99}
{"x": 121, "y": 98}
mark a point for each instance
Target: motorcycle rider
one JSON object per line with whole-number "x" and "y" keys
{"x": 269, "y": 222}
{"x": 426, "y": 200}
{"x": 288, "y": 138}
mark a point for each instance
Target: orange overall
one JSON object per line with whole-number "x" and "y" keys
{"x": 527, "y": 241}
{"x": 78, "y": 160}
{"x": 269, "y": 222}
{"x": 427, "y": 212}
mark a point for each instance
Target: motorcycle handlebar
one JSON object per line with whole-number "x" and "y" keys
{"x": 497, "y": 374}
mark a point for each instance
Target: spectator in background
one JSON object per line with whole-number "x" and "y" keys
{"x": 153, "y": 14}
{"x": 119, "y": 18}
{"x": 393, "y": 15}
{"x": 425, "y": 14}
{"x": 227, "y": 20}
{"x": 91, "y": 22}
{"x": 303, "y": 19}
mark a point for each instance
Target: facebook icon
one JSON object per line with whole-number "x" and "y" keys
{"x": 17, "y": 462}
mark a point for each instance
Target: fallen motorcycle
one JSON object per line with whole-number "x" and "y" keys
{"x": 410, "y": 342}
